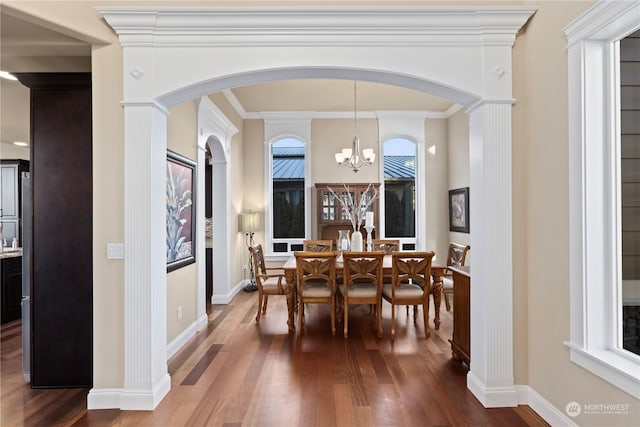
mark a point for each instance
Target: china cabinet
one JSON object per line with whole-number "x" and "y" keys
{"x": 330, "y": 216}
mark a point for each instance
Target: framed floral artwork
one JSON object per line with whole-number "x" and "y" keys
{"x": 181, "y": 220}
{"x": 459, "y": 210}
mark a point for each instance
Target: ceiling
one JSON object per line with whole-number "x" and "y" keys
{"x": 28, "y": 47}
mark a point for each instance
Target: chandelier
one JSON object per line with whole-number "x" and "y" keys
{"x": 352, "y": 156}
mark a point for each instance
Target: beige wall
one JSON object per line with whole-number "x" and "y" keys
{"x": 540, "y": 211}
{"x": 108, "y": 216}
{"x": 329, "y": 136}
{"x": 541, "y": 217}
{"x": 182, "y": 284}
{"x": 436, "y": 186}
{"x": 458, "y": 152}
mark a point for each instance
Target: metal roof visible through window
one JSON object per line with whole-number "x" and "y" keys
{"x": 288, "y": 164}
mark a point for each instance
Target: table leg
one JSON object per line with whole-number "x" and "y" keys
{"x": 291, "y": 303}
{"x": 437, "y": 295}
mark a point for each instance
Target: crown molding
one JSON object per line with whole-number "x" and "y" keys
{"x": 316, "y": 26}
{"x": 605, "y": 20}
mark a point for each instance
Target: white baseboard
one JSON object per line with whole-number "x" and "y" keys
{"x": 145, "y": 400}
{"x": 548, "y": 412}
{"x": 203, "y": 321}
{"x": 104, "y": 398}
{"x": 523, "y": 395}
{"x": 181, "y": 339}
{"x": 226, "y": 299}
{"x": 129, "y": 400}
{"x": 492, "y": 397}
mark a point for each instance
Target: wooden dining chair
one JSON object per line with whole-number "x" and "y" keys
{"x": 386, "y": 245}
{"x": 362, "y": 276}
{"x": 270, "y": 280}
{"x": 457, "y": 255}
{"x": 411, "y": 285}
{"x": 316, "y": 283}
{"x": 317, "y": 245}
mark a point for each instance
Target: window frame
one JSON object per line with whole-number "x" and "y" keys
{"x": 594, "y": 199}
{"x": 417, "y": 190}
{"x": 269, "y": 239}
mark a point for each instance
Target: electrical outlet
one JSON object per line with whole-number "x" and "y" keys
{"x": 179, "y": 312}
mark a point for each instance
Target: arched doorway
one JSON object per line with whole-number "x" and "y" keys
{"x": 462, "y": 54}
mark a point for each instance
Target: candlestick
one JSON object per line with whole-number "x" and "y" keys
{"x": 368, "y": 219}
{"x": 369, "y": 229}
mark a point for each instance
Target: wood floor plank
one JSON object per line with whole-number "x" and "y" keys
{"x": 235, "y": 372}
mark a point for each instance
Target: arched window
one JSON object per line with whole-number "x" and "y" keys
{"x": 400, "y": 190}
{"x": 287, "y": 194}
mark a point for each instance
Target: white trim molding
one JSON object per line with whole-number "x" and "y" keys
{"x": 216, "y": 131}
{"x": 277, "y": 126}
{"x": 593, "y": 206}
{"x": 469, "y": 51}
{"x": 316, "y": 26}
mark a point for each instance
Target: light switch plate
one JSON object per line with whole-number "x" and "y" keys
{"x": 115, "y": 251}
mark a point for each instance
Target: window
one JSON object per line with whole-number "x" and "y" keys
{"x": 288, "y": 193}
{"x": 400, "y": 190}
{"x": 629, "y": 190}
{"x": 597, "y": 177}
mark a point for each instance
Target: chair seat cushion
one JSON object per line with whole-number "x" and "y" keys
{"x": 447, "y": 283}
{"x": 359, "y": 290}
{"x": 404, "y": 291}
{"x": 316, "y": 290}
{"x": 271, "y": 284}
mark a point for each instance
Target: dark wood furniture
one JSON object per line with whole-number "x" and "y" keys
{"x": 461, "y": 340}
{"x": 289, "y": 267}
{"x": 330, "y": 217}
{"x": 62, "y": 229}
{"x": 11, "y": 287}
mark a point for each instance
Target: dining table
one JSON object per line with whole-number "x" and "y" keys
{"x": 289, "y": 267}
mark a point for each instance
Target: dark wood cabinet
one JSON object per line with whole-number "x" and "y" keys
{"x": 62, "y": 230}
{"x": 11, "y": 285}
{"x": 461, "y": 341}
{"x": 330, "y": 216}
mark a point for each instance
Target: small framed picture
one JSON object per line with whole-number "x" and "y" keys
{"x": 459, "y": 210}
{"x": 181, "y": 220}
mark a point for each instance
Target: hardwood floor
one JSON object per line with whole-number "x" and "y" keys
{"x": 237, "y": 373}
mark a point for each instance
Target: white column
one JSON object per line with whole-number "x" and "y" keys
{"x": 221, "y": 231}
{"x": 146, "y": 379}
{"x": 201, "y": 254}
{"x": 491, "y": 375}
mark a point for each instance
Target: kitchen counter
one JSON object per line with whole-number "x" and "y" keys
{"x": 10, "y": 253}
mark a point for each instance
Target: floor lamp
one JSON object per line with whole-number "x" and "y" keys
{"x": 249, "y": 223}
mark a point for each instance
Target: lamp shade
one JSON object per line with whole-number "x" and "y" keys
{"x": 249, "y": 222}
